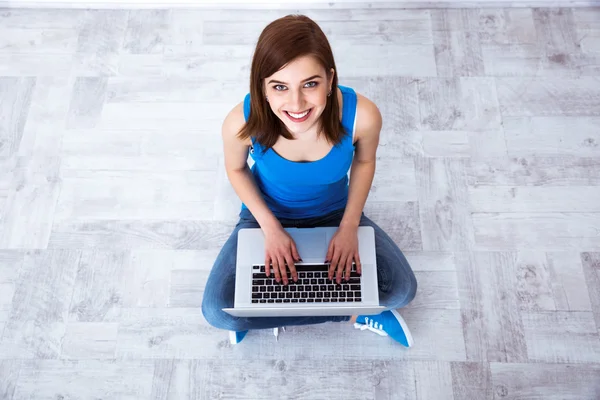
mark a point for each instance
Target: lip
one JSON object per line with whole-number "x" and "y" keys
{"x": 299, "y": 120}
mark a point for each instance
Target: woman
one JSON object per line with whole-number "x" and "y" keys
{"x": 304, "y": 132}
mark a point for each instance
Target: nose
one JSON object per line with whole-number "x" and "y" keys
{"x": 296, "y": 100}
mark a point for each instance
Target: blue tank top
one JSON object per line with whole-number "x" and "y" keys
{"x": 306, "y": 189}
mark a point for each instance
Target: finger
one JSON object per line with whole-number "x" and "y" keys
{"x": 275, "y": 264}
{"x": 348, "y": 267}
{"x": 282, "y": 269}
{"x": 329, "y": 254}
{"x": 267, "y": 264}
{"x": 295, "y": 252}
{"x": 340, "y": 264}
{"x": 358, "y": 264}
{"x": 292, "y": 267}
{"x": 328, "y": 259}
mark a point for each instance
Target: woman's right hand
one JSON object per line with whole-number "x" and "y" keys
{"x": 280, "y": 252}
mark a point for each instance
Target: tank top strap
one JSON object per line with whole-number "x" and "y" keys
{"x": 349, "y": 112}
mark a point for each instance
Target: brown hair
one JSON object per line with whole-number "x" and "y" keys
{"x": 282, "y": 41}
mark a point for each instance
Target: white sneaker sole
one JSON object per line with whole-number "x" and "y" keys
{"x": 409, "y": 338}
{"x": 233, "y": 337}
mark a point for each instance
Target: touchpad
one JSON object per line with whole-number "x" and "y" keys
{"x": 310, "y": 243}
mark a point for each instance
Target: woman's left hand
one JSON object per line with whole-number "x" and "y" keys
{"x": 343, "y": 250}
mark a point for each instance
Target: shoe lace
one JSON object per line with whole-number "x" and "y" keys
{"x": 371, "y": 325}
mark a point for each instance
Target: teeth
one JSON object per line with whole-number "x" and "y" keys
{"x": 298, "y": 115}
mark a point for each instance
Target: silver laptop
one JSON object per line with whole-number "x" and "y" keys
{"x": 257, "y": 295}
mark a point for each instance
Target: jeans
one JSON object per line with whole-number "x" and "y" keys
{"x": 397, "y": 283}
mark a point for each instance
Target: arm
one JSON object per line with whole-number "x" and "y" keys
{"x": 368, "y": 126}
{"x": 238, "y": 172}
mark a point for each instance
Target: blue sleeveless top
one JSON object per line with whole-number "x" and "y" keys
{"x": 306, "y": 189}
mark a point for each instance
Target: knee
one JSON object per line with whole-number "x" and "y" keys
{"x": 213, "y": 314}
{"x": 405, "y": 292}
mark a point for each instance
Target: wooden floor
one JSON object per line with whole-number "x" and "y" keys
{"x": 114, "y": 203}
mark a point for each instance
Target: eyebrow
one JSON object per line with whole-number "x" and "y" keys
{"x": 283, "y": 83}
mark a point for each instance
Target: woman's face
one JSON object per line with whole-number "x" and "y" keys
{"x": 297, "y": 93}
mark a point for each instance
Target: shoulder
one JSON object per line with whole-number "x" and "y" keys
{"x": 368, "y": 118}
{"x": 234, "y": 122}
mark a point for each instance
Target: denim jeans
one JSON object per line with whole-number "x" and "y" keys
{"x": 397, "y": 283}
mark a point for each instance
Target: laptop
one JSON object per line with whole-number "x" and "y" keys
{"x": 257, "y": 295}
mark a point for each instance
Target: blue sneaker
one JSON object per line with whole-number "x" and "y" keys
{"x": 236, "y": 337}
{"x": 388, "y": 323}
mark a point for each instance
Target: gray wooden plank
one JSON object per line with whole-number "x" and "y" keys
{"x": 38, "y": 41}
{"x": 458, "y": 53}
{"x": 141, "y": 150}
{"x": 11, "y": 262}
{"x": 382, "y": 60}
{"x": 123, "y": 195}
{"x": 379, "y": 380}
{"x": 433, "y": 380}
{"x": 561, "y": 336}
{"x": 543, "y": 230}
{"x": 507, "y": 26}
{"x": 30, "y": 203}
{"x": 535, "y": 170}
{"x": 41, "y": 18}
{"x": 179, "y": 379}
{"x": 392, "y": 171}
{"x": 472, "y": 380}
{"x": 459, "y": 104}
{"x": 87, "y": 101}
{"x": 489, "y": 306}
{"x": 541, "y": 96}
{"x": 588, "y": 29}
{"x": 557, "y": 37}
{"x": 455, "y": 20}
{"x": 430, "y": 260}
{"x": 489, "y": 199}
{"x": 437, "y": 289}
{"x": 42, "y": 134}
{"x": 100, "y": 40}
{"x": 89, "y": 340}
{"x": 168, "y": 115}
{"x": 439, "y": 102}
{"x": 413, "y": 29}
{"x": 591, "y": 270}
{"x": 487, "y": 144}
{"x": 9, "y": 371}
{"x": 445, "y": 143}
{"x": 551, "y": 281}
{"x": 114, "y": 234}
{"x": 546, "y": 381}
{"x": 25, "y": 64}
{"x": 99, "y": 286}
{"x": 188, "y": 275}
{"x": 39, "y": 313}
{"x": 553, "y": 136}
{"x": 399, "y": 220}
{"x": 15, "y": 100}
{"x": 568, "y": 279}
{"x": 146, "y": 31}
{"x": 148, "y": 278}
{"x": 443, "y": 204}
{"x": 227, "y": 203}
{"x": 85, "y": 378}
{"x": 398, "y": 101}
{"x": 174, "y": 89}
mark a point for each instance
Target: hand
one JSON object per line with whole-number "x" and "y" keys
{"x": 279, "y": 250}
{"x": 343, "y": 249}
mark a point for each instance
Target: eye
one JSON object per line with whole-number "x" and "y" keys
{"x": 279, "y": 87}
{"x": 311, "y": 84}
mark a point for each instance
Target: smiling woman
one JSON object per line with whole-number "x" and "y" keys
{"x": 305, "y": 132}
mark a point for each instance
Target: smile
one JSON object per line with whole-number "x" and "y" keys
{"x": 298, "y": 117}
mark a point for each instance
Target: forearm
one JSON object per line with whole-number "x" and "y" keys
{"x": 244, "y": 185}
{"x": 361, "y": 178}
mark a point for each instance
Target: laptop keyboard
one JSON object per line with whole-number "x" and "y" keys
{"x": 313, "y": 286}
